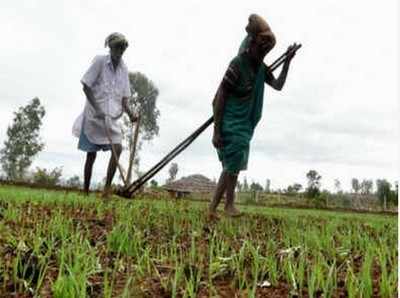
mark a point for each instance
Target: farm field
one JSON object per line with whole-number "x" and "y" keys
{"x": 62, "y": 244}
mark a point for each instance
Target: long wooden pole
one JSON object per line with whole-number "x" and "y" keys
{"x": 114, "y": 153}
{"x": 133, "y": 149}
{"x": 128, "y": 192}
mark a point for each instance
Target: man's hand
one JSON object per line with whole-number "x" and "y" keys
{"x": 278, "y": 83}
{"x": 291, "y": 52}
{"x": 217, "y": 140}
{"x": 133, "y": 118}
{"x": 100, "y": 115}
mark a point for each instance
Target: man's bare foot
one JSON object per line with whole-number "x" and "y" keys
{"x": 232, "y": 212}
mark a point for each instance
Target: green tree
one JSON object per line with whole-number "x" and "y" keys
{"x": 294, "y": 189}
{"x": 385, "y": 193}
{"x": 173, "y": 171}
{"x": 314, "y": 184}
{"x": 239, "y": 186}
{"x": 355, "y": 185}
{"x": 268, "y": 186}
{"x": 23, "y": 141}
{"x": 338, "y": 186}
{"x": 153, "y": 183}
{"x": 245, "y": 185}
{"x": 366, "y": 186}
{"x": 255, "y": 186}
{"x": 143, "y": 102}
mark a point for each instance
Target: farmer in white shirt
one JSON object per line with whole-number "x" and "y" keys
{"x": 106, "y": 86}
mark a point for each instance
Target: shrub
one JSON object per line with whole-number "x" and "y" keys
{"x": 74, "y": 182}
{"x": 46, "y": 177}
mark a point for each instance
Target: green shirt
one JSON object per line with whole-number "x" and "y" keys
{"x": 242, "y": 111}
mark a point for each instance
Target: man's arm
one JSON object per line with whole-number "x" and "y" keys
{"x": 89, "y": 95}
{"x": 227, "y": 85}
{"x": 278, "y": 83}
{"x": 127, "y": 110}
{"x": 88, "y": 80}
{"x": 218, "y": 109}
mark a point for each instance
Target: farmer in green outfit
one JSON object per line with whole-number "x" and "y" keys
{"x": 237, "y": 106}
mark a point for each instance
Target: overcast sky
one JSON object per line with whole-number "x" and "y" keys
{"x": 337, "y": 114}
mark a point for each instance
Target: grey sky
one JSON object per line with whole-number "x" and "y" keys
{"x": 336, "y": 114}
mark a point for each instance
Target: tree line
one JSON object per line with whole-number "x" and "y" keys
{"x": 386, "y": 192}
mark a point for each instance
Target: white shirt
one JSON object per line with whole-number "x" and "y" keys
{"x": 108, "y": 87}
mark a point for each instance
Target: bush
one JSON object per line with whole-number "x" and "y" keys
{"x": 319, "y": 201}
{"x": 312, "y": 192}
{"x": 46, "y": 177}
{"x": 346, "y": 202}
{"x": 74, "y": 182}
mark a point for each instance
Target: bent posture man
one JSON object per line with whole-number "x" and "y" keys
{"x": 106, "y": 86}
{"x": 238, "y": 105}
